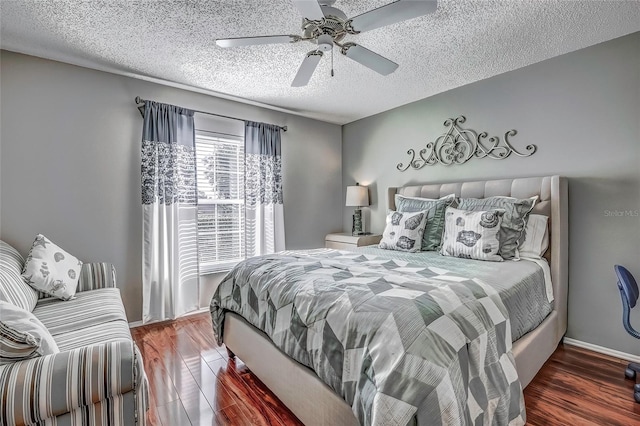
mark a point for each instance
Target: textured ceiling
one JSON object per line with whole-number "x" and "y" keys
{"x": 462, "y": 42}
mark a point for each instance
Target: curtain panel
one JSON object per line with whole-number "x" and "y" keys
{"x": 264, "y": 210}
{"x": 169, "y": 204}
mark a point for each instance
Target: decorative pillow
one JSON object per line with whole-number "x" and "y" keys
{"x": 472, "y": 235}
{"x": 536, "y": 237}
{"x": 22, "y": 335}
{"x": 13, "y": 288}
{"x": 52, "y": 270}
{"x": 514, "y": 221}
{"x": 403, "y": 231}
{"x": 432, "y": 237}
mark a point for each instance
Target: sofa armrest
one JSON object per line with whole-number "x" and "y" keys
{"x": 48, "y": 386}
{"x": 97, "y": 275}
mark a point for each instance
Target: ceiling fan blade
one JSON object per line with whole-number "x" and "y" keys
{"x": 307, "y": 68}
{"x": 310, "y": 9}
{"x": 392, "y": 13}
{"x": 252, "y": 41}
{"x": 370, "y": 59}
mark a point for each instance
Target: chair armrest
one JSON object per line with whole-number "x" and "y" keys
{"x": 94, "y": 276}
{"x": 48, "y": 386}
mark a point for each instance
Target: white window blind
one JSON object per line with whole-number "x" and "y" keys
{"x": 220, "y": 166}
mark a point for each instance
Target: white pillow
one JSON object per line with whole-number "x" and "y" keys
{"x": 51, "y": 270}
{"x": 472, "y": 234}
{"x": 536, "y": 239}
{"x": 22, "y": 335}
{"x": 403, "y": 231}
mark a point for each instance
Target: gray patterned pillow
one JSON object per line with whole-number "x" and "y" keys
{"x": 432, "y": 237}
{"x": 472, "y": 235}
{"x": 404, "y": 231}
{"x": 52, "y": 270}
{"x": 514, "y": 222}
{"x": 22, "y": 335}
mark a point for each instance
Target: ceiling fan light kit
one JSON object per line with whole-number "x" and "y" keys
{"x": 326, "y": 26}
{"x": 325, "y": 42}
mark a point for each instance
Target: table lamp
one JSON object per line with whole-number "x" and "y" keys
{"x": 357, "y": 196}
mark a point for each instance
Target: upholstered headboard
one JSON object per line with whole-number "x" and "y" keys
{"x": 553, "y": 202}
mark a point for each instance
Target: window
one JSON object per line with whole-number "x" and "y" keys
{"x": 220, "y": 166}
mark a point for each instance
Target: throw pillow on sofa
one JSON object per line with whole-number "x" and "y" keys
{"x": 13, "y": 288}
{"x": 52, "y": 270}
{"x": 22, "y": 335}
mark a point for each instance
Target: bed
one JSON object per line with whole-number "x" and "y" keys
{"x": 315, "y": 403}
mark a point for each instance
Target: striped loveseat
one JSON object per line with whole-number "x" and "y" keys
{"x": 97, "y": 378}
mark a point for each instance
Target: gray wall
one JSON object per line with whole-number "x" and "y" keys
{"x": 582, "y": 110}
{"x": 70, "y": 165}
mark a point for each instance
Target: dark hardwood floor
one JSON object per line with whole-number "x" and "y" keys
{"x": 193, "y": 382}
{"x": 580, "y": 387}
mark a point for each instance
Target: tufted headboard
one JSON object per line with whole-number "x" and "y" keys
{"x": 553, "y": 202}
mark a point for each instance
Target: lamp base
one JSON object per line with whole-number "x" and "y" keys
{"x": 356, "y": 229}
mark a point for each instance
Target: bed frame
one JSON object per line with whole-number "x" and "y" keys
{"x": 314, "y": 403}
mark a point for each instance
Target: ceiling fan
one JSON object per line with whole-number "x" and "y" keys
{"x": 325, "y": 25}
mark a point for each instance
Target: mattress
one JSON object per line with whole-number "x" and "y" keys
{"x": 523, "y": 286}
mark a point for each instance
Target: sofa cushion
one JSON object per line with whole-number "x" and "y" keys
{"x": 95, "y": 316}
{"x": 87, "y": 309}
{"x": 22, "y": 335}
{"x": 99, "y": 333}
{"x": 13, "y": 289}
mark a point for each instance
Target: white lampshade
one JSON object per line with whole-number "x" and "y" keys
{"x": 357, "y": 196}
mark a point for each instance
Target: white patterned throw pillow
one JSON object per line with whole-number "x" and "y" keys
{"x": 52, "y": 270}
{"x": 472, "y": 235}
{"x": 22, "y": 335}
{"x": 404, "y": 231}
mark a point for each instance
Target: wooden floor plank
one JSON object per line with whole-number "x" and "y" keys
{"x": 199, "y": 389}
{"x": 193, "y": 381}
{"x": 152, "y": 415}
{"x": 581, "y": 387}
{"x": 247, "y": 401}
{"x": 173, "y": 414}
{"x": 284, "y": 415}
{"x": 153, "y": 351}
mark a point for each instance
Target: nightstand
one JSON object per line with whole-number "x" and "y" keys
{"x": 346, "y": 241}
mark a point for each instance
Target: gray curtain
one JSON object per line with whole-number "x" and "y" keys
{"x": 169, "y": 197}
{"x": 264, "y": 218}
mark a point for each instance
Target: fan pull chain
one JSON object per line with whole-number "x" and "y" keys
{"x": 331, "y": 61}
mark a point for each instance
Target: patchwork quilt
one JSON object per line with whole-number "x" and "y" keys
{"x": 401, "y": 343}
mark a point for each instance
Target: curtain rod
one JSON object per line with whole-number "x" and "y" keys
{"x": 139, "y": 100}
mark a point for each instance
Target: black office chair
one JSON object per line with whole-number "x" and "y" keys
{"x": 629, "y": 293}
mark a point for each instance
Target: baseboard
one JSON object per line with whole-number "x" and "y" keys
{"x": 135, "y": 324}
{"x": 601, "y": 349}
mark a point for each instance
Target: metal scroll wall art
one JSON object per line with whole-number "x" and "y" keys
{"x": 458, "y": 145}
